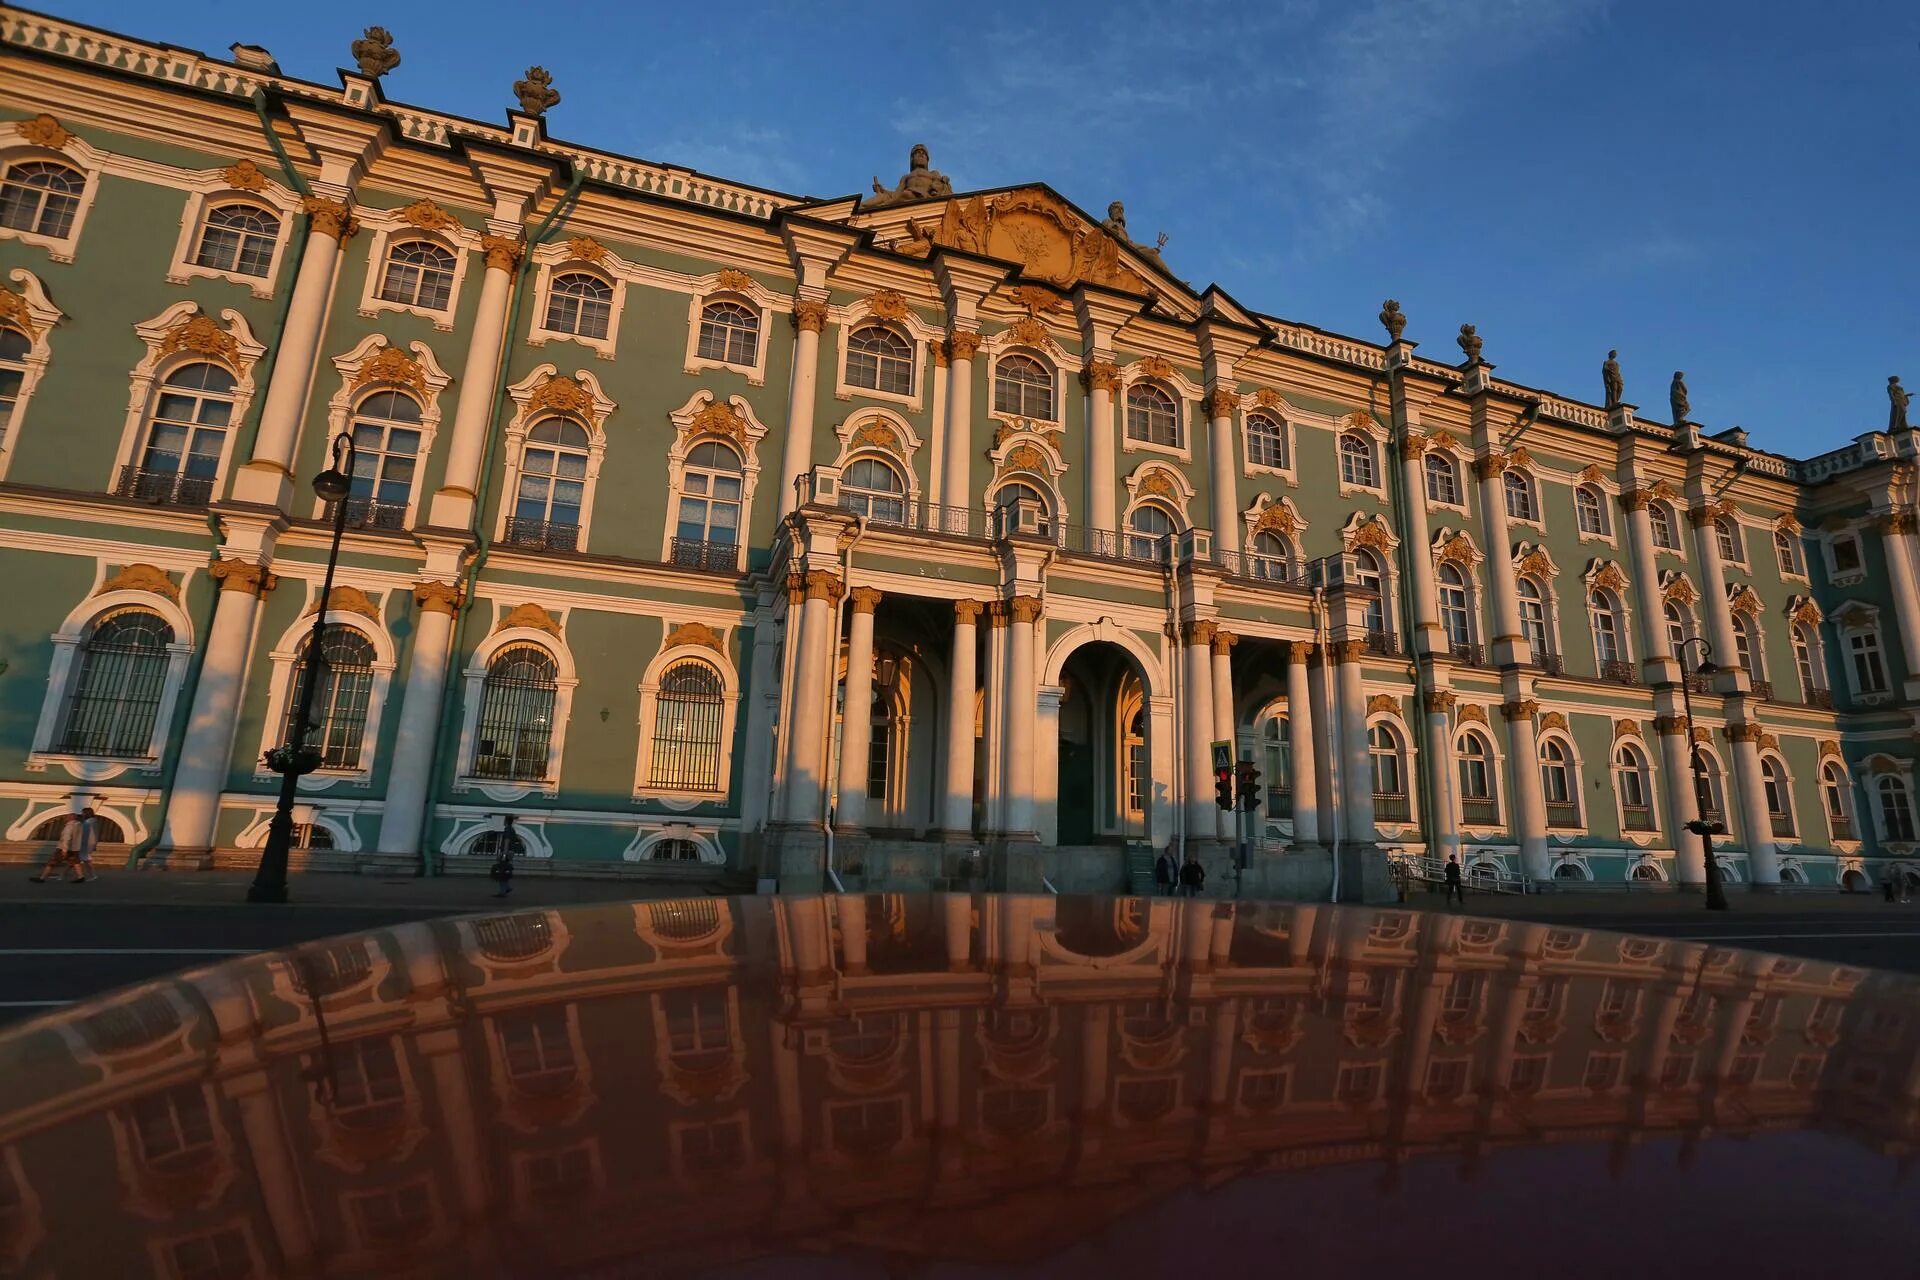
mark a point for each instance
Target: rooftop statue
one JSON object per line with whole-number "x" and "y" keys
{"x": 536, "y": 92}
{"x": 1115, "y": 225}
{"x": 1615, "y": 385}
{"x": 1470, "y": 343}
{"x": 375, "y": 52}
{"x": 919, "y": 182}
{"x": 1677, "y": 397}
{"x": 1897, "y": 411}
{"x": 1393, "y": 318}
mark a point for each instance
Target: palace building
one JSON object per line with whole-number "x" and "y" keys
{"x": 931, "y": 536}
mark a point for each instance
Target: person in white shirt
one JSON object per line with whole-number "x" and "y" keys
{"x": 75, "y": 846}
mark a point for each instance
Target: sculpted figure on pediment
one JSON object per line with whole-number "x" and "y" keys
{"x": 919, "y": 182}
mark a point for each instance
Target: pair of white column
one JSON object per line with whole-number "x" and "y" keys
{"x": 1529, "y": 797}
{"x": 1713, "y": 588}
{"x": 1509, "y": 642}
{"x": 206, "y": 750}
{"x": 1303, "y": 747}
{"x": 1012, "y": 707}
{"x": 453, "y": 505}
{"x": 1896, "y": 540}
{"x": 856, "y": 716}
{"x": 1198, "y": 719}
{"x": 403, "y": 820}
{"x": 809, "y": 699}
{"x": 1102, "y": 379}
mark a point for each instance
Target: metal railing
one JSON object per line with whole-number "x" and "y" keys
{"x": 932, "y": 517}
{"x": 163, "y": 488}
{"x": 542, "y": 535}
{"x": 1279, "y": 802}
{"x": 1472, "y": 655}
{"x": 1392, "y": 806}
{"x": 1822, "y": 698}
{"x": 1481, "y": 877}
{"x": 1384, "y": 643}
{"x": 1698, "y": 683}
{"x": 1636, "y": 817}
{"x": 1763, "y": 689}
{"x": 1782, "y": 824}
{"x": 1551, "y": 664}
{"x": 1842, "y": 828}
{"x": 708, "y": 557}
{"x": 1562, "y": 814}
{"x": 366, "y": 513}
{"x": 1619, "y": 671}
{"x": 1480, "y": 813}
{"x": 1711, "y": 816}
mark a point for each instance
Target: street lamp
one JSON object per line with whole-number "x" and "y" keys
{"x": 293, "y": 757}
{"x": 1716, "y": 893}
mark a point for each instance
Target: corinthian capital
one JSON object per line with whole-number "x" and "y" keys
{"x": 1024, "y": 608}
{"x": 809, "y": 316}
{"x": 822, "y": 585}
{"x": 1221, "y": 403}
{"x": 330, "y": 217}
{"x": 243, "y": 575}
{"x": 1100, "y": 375}
{"x": 963, "y": 344}
{"x": 503, "y": 252}
{"x": 437, "y": 597}
{"x": 864, "y": 599}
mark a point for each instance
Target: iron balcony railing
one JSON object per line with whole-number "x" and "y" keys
{"x": 708, "y": 557}
{"x": 1822, "y": 698}
{"x": 892, "y": 513}
{"x": 1782, "y": 824}
{"x": 542, "y": 535}
{"x": 1384, "y": 643}
{"x": 1279, "y": 802}
{"x": 1636, "y": 817}
{"x": 366, "y": 513}
{"x": 1551, "y": 664}
{"x": 1480, "y": 813}
{"x": 1763, "y": 689}
{"x": 163, "y": 488}
{"x": 1392, "y": 806}
{"x": 1619, "y": 671}
{"x": 1712, "y": 816}
{"x": 1275, "y": 571}
{"x": 1697, "y": 683}
{"x": 1468, "y": 653}
{"x": 1842, "y": 828}
{"x": 1561, "y": 814}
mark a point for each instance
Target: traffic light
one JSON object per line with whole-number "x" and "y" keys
{"x": 1247, "y": 779}
{"x": 1223, "y": 787}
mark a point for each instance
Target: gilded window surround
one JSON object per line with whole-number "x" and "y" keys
{"x": 209, "y": 189}
{"x": 21, "y": 147}
{"x": 732, "y": 285}
{"x": 675, "y": 649}
{"x": 532, "y": 403}
{"x": 280, "y": 688}
{"x": 474, "y": 677}
{"x": 391, "y": 227}
{"x": 377, "y": 364}
{"x": 180, "y": 335}
{"x": 920, "y": 337}
{"x": 28, "y": 309}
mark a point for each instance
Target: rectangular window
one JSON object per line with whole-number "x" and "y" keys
{"x": 719, "y": 1147}
{"x": 1869, "y": 671}
{"x": 1263, "y": 1090}
{"x": 1846, "y": 554}
{"x": 1603, "y": 1070}
{"x": 1358, "y": 1082}
{"x": 537, "y": 1048}
{"x": 1528, "y": 1074}
{"x": 1446, "y": 1078}
{"x": 559, "y": 1178}
{"x": 697, "y": 1021}
{"x": 1806, "y": 1070}
{"x": 1677, "y": 1071}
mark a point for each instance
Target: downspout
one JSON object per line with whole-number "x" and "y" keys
{"x": 833, "y": 661}
{"x": 478, "y": 529}
{"x": 1177, "y": 668}
{"x": 1321, "y": 633}
{"x": 183, "y": 705}
{"x": 1412, "y": 543}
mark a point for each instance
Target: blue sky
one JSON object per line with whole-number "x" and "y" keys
{"x": 1724, "y": 187}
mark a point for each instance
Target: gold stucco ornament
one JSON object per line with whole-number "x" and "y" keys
{"x": 536, "y": 91}
{"x": 375, "y": 53}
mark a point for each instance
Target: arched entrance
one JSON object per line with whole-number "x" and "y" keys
{"x": 1105, "y": 785}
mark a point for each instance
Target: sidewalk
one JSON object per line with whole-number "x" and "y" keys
{"x": 1666, "y": 904}
{"x": 445, "y": 895}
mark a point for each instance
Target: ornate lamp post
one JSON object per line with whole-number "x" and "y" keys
{"x": 293, "y": 757}
{"x": 1716, "y": 893}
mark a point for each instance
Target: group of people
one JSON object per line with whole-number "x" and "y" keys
{"x": 73, "y": 848}
{"x": 1170, "y": 877}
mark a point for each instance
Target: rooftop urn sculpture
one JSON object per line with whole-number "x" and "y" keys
{"x": 375, "y": 53}
{"x": 1470, "y": 342}
{"x": 1393, "y": 318}
{"x": 536, "y": 92}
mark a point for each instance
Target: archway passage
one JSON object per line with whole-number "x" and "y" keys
{"x": 1105, "y": 779}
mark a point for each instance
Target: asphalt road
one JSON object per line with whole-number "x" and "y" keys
{"x": 65, "y": 942}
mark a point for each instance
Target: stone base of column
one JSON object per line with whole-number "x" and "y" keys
{"x": 796, "y": 857}
{"x": 966, "y": 837}
{"x": 1014, "y": 865}
{"x": 1365, "y": 875}
{"x": 178, "y": 860}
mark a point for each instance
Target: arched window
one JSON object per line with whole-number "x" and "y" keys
{"x": 1266, "y": 441}
{"x": 1810, "y": 679}
{"x": 872, "y": 488}
{"x": 1476, "y": 778}
{"x": 1646, "y": 871}
{"x": 1370, "y": 576}
{"x": 1746, "y": 646}
{"x": 1383, "y": 750}
{"x": 238, "y": 238}
{"x": 1605, "y": 611}
{"x": 1591, "y": 509}
{"x": 553, "y": 486}
{"x": 1896, "y": 809}
{"x": 1456, "y": 612}
{"x": 1022, "y": 386}
{"x": 880, "y": 359}
{"x": 1709, "y": 786}
{"x": 119, "y": 674}
{"x": 1558, "y": 784}
{"x": 1356, "y": 460}
{"x": 1013, "y": 492}
{"x": 1660, "y": 516}
{"x": 41, "y": 197}
{"x": 516, "y": 714}
{"x": 386, "y": 449}
{"x": 686, "y": 728}
{"x": 1149, "y": 533}
{"x": 1151, "y": 416}
{"x": 710, "y": 488}
{"x": 1786, "y": 553}
{"x": 673, "y": 851}
{"x": 1443, "y": 479}
{"x": 730, "y": 333}
{"x": 1727, "y": 534}
{"x": 493, "y": 844}
{"x": 1678, "y": 627}
{"x": 1533, "y": 616}
{"x": 419, "y": 274}
{"x": 1835, "y": 799}
{"x": 338, "y": 721}
{"x": 1779, "y": 796}
{"x": 1630, "y": 783}
{"x": 1521, "y": 504}
{"x": 186, "y": 436}
{"x": 581, "y": 303}
{"x": 14, "y": 349}
{"x": 1277, "y": 749}
{"x": 1272, "y": 557}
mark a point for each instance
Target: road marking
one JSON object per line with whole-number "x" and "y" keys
{"x": 126, "y": 951}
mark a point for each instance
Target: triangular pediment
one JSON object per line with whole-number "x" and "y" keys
{"x": 1035, "y": 229}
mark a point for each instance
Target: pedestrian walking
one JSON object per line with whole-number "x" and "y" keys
{"x": 502, "y": 873}
{"x": 1454, "y": 888}
{"x": 1192, "y": 877}
{"x": 1165, "y": 874}
{"x": 74, "y": 848}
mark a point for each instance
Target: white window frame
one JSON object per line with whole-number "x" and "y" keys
{"x": 1452, "y": 463}
{"x": 390, "y": 227}
{"x": 539, "y": 335}
{"x": 885, "y": 435}
{"x": 728, "y": 286}
{"x": 1549, "y": 609}
{"x": 649, "y": 690}
{"x": 1535, "y": 498}
{"x": 1622, "y": 626}
{"x": 1496, "y": 776}
{"x": 280, "y": 689}
{"x": 1373, "y": 464}
{"x": 995, "y": 356}
{"x": 354, "y": 388}
{"x": 1746, "y": 625}
{"x": 1676, "y": 544}
{"x": 1294, "y": 538}
{"x": 1884, "y": 769}
{"x": 1797, "y": 548}
{"x": 1736, "y": 535}
{"x": 213, "y": 188}
{"x": 1182, "y": 447}
{"x": 1576, "y": 778}
{"x": 1047, "y": 484}
{"x": 689, "y": 430}
{"x": 1185, "y": 396}
{"x": 1849, "y": 811}
{"x": 1601, "y": 504}
{"x": 62, "y": 670}
{"x": 526, "y": 394}
{"x": 1857, "y": 620}
{"x": 74, "y": 154}
{"x": 919, "y": 337}
{"x": 36, "y": 325}
{"x": 1647, "y": 783}
{"x": 503, "y": 790}
{"x": 1179, "y": 500}
{"x": 1836, "y": 576}
{"x": 158, "y": 364}
{"x": 1288, "y": 442}
{"x": 1785, "y": 787}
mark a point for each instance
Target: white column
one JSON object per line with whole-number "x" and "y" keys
{"x": 1713, "y": 590}
{"x": 1428, "y": 636}
{"x": 1356, "y": 766}
{"x": 1323, "y": 741}
{"x": 268, "y": 478}
{"x": 851, "y": 908}
{"x": 1529, "y": 801}
{"x": 856, "y": 716}
{"x": 1763, "y": 857}
{"x": 403, "y": 820}
{"x": 273, "y": 1167}
{"x": 1102, "y": 380}
{"x": 1220, "y": 406}
{"x": 206, "y": 751}
{"x": 1509, "y": 644}
{"x": 757, "y": 772}
{"x": 994, "y": 754}
{"x": 1197, "y": 713}
{"x": 453, "y": 505}
{"x": 1223, "y": 726}
{"x": 1896, "y": 528}
{"x": 1301, "y": 748}
{"x": 1445, "y": 839}
{"x": 806, "y": 743}
{"x": 957, "y": 819}
{"x": 956, "y": 469}
{"x": 1022, "y": 712}
{"x": 809, "y": 318}
{"x": 1676, "y": 767}
{"x": 1646, "y": 577}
